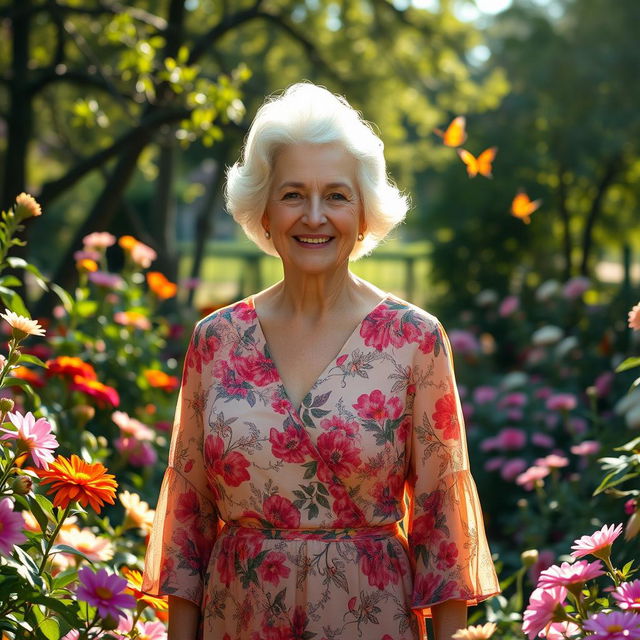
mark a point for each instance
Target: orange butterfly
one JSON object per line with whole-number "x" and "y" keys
{"x": 480, "y": 165}
{"x": 455, "y": 133}
{"x": 522, "y": 207}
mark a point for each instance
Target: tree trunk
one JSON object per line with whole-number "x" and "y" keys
{"x": 611, "y": 170}
{"x": 566, "y": 231}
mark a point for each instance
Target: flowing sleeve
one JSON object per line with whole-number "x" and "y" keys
{"x": 186, "y": 518}
{"x": 448, "y": 548}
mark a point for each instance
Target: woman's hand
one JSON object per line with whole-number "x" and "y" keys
{"x": 448, "y": 617}
{"x": 184, "y": 618}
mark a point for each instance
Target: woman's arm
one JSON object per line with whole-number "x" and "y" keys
{"x": 184, "y": 618}
{"x": 448, "y": 617}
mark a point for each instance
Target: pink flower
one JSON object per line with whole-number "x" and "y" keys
{"x": 634, "y": 318}
{"x": 463, "y": 342}
{"x": 604, "y": 382}
{"x": 561, "y": 402}
{"x": 586, "y": 448}
{"x": 289, "y": 445}
{"x": 489, "y": 444}
{"x": 11, "y": 527}
{"x": 513, "y": 468}
{"x": 561, "y": 631}
{"x": 374, "y": 406}
{"x": 274, "y": 567}
{"x": 628, "y": 595}
{"x": 142, "y": 255}
{"x": 577, "y": 425}
{"x": 630, "y": 506}
{"x": 567, "y": 574}
{"x": 546, "y": 558}
{"x": 617, "y": 625}
{"x": 339, "y": 451}
{"x": 508, "y": 306}
{"x": 98, "y": 240}
{"x": 280, "y": 512}
{"x": 350, "y": 427}
{"x": 597, "y": 544}
{"x": 107, "y": 280}
{"x": 542, "y": 439}
{"x": 131, "y": 427}
{"x": 445, "y": 417}
{"x": 447, "y": 555}
{"x": 542, "y": 605}
{"x": 384, "y": 326}
{"x": 532, "y": 476}
{"x": 511, "y": 439}
{"x": 232, "y": 466}
{"x": 484, "y": 394}
{"x": 552, "y": 461}
{"x": 575, "y": 287}
{"x": 515, "y": 399}
{"x": 105, "y": 592}
{"x": 33, "y": 436}
{"x": 493, "y": 464}
{"x": 138, "y": 453}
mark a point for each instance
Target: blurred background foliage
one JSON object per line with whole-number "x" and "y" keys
{"x": 121, "y": 117}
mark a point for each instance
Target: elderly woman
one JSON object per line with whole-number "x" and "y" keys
{"x": 318, "y": 483}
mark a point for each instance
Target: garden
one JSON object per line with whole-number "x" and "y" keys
{"x": 108, "y": 204}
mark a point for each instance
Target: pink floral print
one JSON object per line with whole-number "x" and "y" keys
{"x": 347, "y": 517}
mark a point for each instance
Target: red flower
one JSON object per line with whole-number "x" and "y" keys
{"x": 374, "y": 406}
{"x": 388, "y": 496}
{"x": 289, "y": 445}
{"x": 226, "y": 561}
{"x": 447, "y": 554}
{"x": 245, "y": 312}
{"x": 299, "y": 623}
{"x": 259, "y": 370}
{"x": 339, "y": 451}
{"x": 227, "y": 377}
{"x": 280, "y": 404}
{"x": 379, "y": 567}
{"x": 381, "y": 328}
{"x": 428, "y": 342}
{"x": 281, "y": 513}
{"x": 446, "y": 417}
{"x": 188, "y": 506}
{"x": 347, "y": 513}
{"x": 350, "y": 427}
{"x": 424, "y": 532}
{"x": 424, "y": 588}
{"x": 231, "y": 466}
{"x": 273, "y": 568}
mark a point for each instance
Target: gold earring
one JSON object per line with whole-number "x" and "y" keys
{"x": 361, "y": 236}
{"x": 267, "y": 234}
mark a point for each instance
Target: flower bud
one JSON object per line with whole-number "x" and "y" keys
{"x": 529, "y": 557}
{"x": 15, "y": 356}
{"x": 6, "y": 405}
{"x": 83, "y": 413}
{"x": 633, "y": 526}
{"x": 22, "y": 485}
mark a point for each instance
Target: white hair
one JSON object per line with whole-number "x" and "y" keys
{"x": 307, "y": 113}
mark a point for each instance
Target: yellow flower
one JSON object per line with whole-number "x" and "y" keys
{"x": 22, "y": 326}
{"x": 27, "y": 207}
{"x": 137, "y": 512}
{"x": 480, "y": 632}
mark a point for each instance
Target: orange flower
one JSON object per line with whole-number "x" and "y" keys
{"x": 27, "y": 207}
{"x": 134, "y": 587}
{"x": 127, "y": 242}
{"x": 160, "y": 286}
{"x": 161, "y": 380}
{"x": 71, "y": 366}
{"x": 24, "y": 373}
{"x": 87, "y": 265}
{"x": 103, "y": 394}
{"x": 74, "y": 479}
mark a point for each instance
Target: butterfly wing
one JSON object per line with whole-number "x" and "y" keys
{"x": 485, "y": 161}
{"x": 455, "y": 133}
{"x": 522, "y": 207}
{"x": 470, "y": 161}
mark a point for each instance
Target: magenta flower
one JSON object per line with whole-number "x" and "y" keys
{"x": 105, "y": 592}
{"x": 543, "y": 604}
{"x": 33, "y": 436}
{"x": 508, "y": 306}
{"x": 513, "y": 468}
{"x": 11, "y": 524}
{"x": 484, "y": 394}
{"x": 628, "y": 595}
{"x": 105, "y": 279}
{"x": 597, "y": 544}
{"x": 575, "y": 287}
{"x": 511, "y": 439}
{"x": 617, "y": 625}
{"x": 561, "y": 402}
{"x": 542, "y": 439}
{"x": 567, "y": 574}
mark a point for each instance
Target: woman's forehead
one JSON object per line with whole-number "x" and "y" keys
{"x": 329, "y": 163}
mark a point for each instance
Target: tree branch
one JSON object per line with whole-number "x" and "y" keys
{"x": 51, "y": 190}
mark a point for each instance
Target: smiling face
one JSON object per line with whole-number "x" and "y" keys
{"x": 314, "y": 210}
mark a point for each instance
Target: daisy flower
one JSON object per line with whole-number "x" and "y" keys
{"x": 27, "y": 207}
{"x": 479, "y": 632}
{"x": 22, "y": 327}
{"x": 597, "y": 544}
{"x": 567, "y": 574}
{"x": 33, "y": 436}
{"x": 74, "y": 479}
{"x": 541, "y": 610}
{"x": 96, "y": 548}
{"x": 11, "y": 527}
{"x": 628, "y": 595}
{"x": 105, "y": 592}
{"x": 617, "y": 625}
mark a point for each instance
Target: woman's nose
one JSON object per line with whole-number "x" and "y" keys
{"x": 314, "y": 214}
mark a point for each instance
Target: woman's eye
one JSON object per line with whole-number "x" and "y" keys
{"x": 290, "y": 195}
{"x": 337, "y": 196}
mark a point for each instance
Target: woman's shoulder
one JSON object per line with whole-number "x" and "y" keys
{"x": 241, "y": 311}
{"x": 416, "y": 314}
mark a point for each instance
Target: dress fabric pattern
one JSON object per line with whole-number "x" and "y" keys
{"x": 346, "y": 517}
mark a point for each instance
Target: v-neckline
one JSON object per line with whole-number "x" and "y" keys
{"x": 280, "y": 381}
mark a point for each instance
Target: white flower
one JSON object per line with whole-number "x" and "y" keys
{"x": 547, "y": 290}
{"x": 633, "y": 418}
{"x": 22, "y": 325}
{"x": 628, "y": 402}
{"x": 549, "y": 334}
{"x": 565, "y": 346}
{"x": 514, "y": 380}
{"x": 486, "y": 298}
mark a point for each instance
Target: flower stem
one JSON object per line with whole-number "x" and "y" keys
{"x": 54, "y": 535}
{"x": 7, "y": 471}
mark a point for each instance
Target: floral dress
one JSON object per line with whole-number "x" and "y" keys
{"x": 346, "y": 517}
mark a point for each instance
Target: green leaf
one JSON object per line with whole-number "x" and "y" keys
{"x": 65, "y": 548}
{"x": 28, "y": 569}
{"x": 10, "y": 281}
{"x": 64, "y": 295}
{"x": 38, "y": 513}
{"x": 28, "y": 357}
{"x": 87, "y": 308}
{"x": 14, "y": 302}
{"x": 629, "y": 363}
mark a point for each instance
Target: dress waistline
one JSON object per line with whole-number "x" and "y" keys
{"x": 380, "y": 532}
